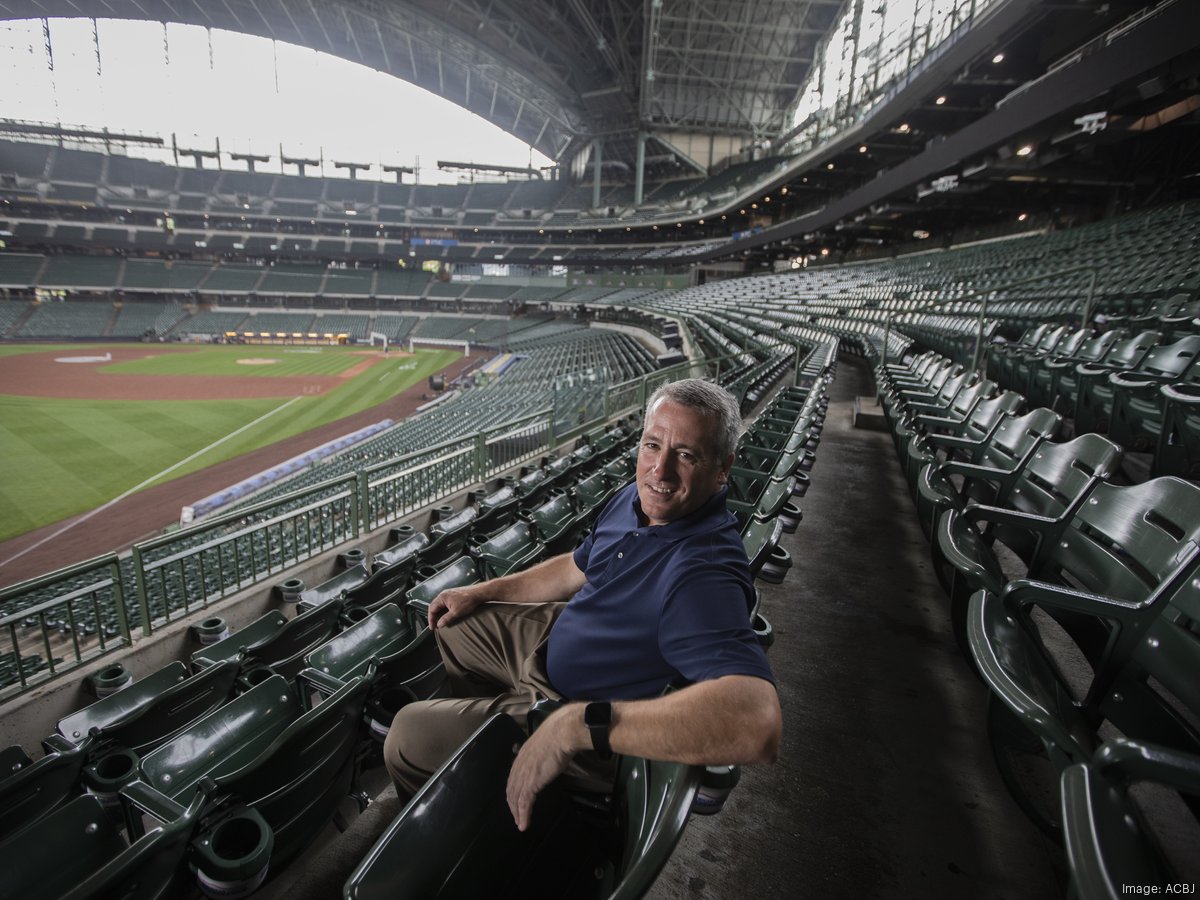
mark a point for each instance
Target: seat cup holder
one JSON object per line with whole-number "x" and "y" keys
{"x": 257, "y": 675}
{"x": 352, "y": 615}
{"x": 106, "y": 776}
{"x": 211, "y": 630}
{"x": 232, "y": 859}
{"x": 715, "y": 785}
{"x": 352, "y": 557}
{"x": 291, "y": 589}
{"x": 400, "y": 532}
{"x": 424, "y": 573}
{"x": 764, "y": 631}
{"x": 109, "y": 680}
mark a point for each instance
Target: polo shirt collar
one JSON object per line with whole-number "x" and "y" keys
{"x": 698, "y": 522}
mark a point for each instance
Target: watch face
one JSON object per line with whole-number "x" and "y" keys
{"x": 597, "y": 714}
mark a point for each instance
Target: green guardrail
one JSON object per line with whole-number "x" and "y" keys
{"x": 82, "y": 620}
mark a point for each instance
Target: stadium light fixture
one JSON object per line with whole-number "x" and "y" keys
{"x": 997, "y": 59}
{"x": 1025, "y": 150}
{"x": 1022, "y": 217}
{"x": 941, "y": 101}
{"x": 862, "y": 148}
{"x": 829, "y": 167}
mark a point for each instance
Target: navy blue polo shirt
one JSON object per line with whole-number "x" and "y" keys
{"x": 660, "y": 602}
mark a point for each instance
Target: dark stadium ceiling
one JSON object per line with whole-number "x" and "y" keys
{"x": 556, "y": 73}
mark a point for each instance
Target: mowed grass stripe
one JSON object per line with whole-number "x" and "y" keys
{"x": 64, "y": 457}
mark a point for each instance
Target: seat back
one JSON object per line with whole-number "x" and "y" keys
{"x": 1178, "y": 449}
{"x": 456, "y": 838}
{"x": 399, "y": 560}
{"x": 34, "y": 790}
{"x": 284, "y": 651}
{"x": 223, "y": 741}
{"x": 447, "y": 538}
{"x": 244, "y": 640}
{"x": 459, "y": 573}
{"x": 554, "y": 521}
{"x": 336, "y": 587}
{"x": 1126, "y": 541}
{"x": 151, "y": 711}
{"x": 1167, "y": 362}
{"x": 1055, "y": 479}
{"x": 1016, "y": 437}
{"x": 349, "y": 654}
{"x": 513, "y": 548}
{"x": 77, "y": 852}
{"x": 297, "y": 782}
{"x": 1126, "y": 354}
{"x": 495, "y": 511}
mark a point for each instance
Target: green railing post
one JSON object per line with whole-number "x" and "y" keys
{"x": 365, "y": 507}
{"x": 139, "y": 571}
{"x": 1085, "y": 322}
{"x": 479, "y": 464}
{"x": 979, "y": 334}
{"x": 114, "y": 569}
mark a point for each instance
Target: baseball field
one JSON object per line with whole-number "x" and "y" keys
{"x": 83, "y": 424}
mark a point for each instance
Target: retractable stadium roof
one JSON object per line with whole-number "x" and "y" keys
{"x": 556, "y": 73}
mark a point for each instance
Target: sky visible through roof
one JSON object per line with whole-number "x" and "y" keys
{"x": 252, "y": 94}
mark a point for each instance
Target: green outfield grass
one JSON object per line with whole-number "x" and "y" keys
{"x": 63, "y": 457}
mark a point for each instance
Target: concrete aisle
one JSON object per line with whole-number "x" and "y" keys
{"x": 885, "y": 787}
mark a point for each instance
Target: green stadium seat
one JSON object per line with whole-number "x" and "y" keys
{"x": 334, "y": 588}
{"x": 154, "y": 709}
{"x": 1110, "y": 841}
{"x": 274, "y": 642}
{"x": 78, "y": 852}
{"x": 456, "y": 837}
{"x": 1027, "y": 509}
{"x": 461, "y": 572}
{"x": 1178, "y": 448}
{"x": 263, "y": 750}
{"x": 36, "y": 789}
{"x": 514, "y": 548}
{"x": 1098, "y": 396}
{"x": 1121, "y": 584}
{"x": 557, "y": 524}
{"x": 1121, "y": 357}
{"x": 1012, "y": 441}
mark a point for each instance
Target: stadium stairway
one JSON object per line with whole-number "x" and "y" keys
{"x": 885, "y": 787}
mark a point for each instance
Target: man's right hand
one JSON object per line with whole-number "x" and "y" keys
{"x": 453, "y": 604}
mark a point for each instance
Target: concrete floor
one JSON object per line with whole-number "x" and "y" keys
{"x": 885, "y": 787}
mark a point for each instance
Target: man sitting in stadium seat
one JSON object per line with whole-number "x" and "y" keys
{"x": 658, "y": 594}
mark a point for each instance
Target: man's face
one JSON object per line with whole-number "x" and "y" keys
{"x": 677, "y": 469}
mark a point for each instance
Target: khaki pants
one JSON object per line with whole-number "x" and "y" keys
{"x": 494, "y": 664}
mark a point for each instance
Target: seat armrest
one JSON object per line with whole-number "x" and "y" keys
{"x": 1138, "y": 761}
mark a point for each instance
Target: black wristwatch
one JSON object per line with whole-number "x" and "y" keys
{"x": 598, "y": 719}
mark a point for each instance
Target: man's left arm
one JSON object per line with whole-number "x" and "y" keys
{"x": 731, "y": 720}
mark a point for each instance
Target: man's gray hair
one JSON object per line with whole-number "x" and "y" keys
{"x": 711, "y": 400}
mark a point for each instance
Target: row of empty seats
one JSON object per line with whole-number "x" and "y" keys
{"x": 1073, "y": 596}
